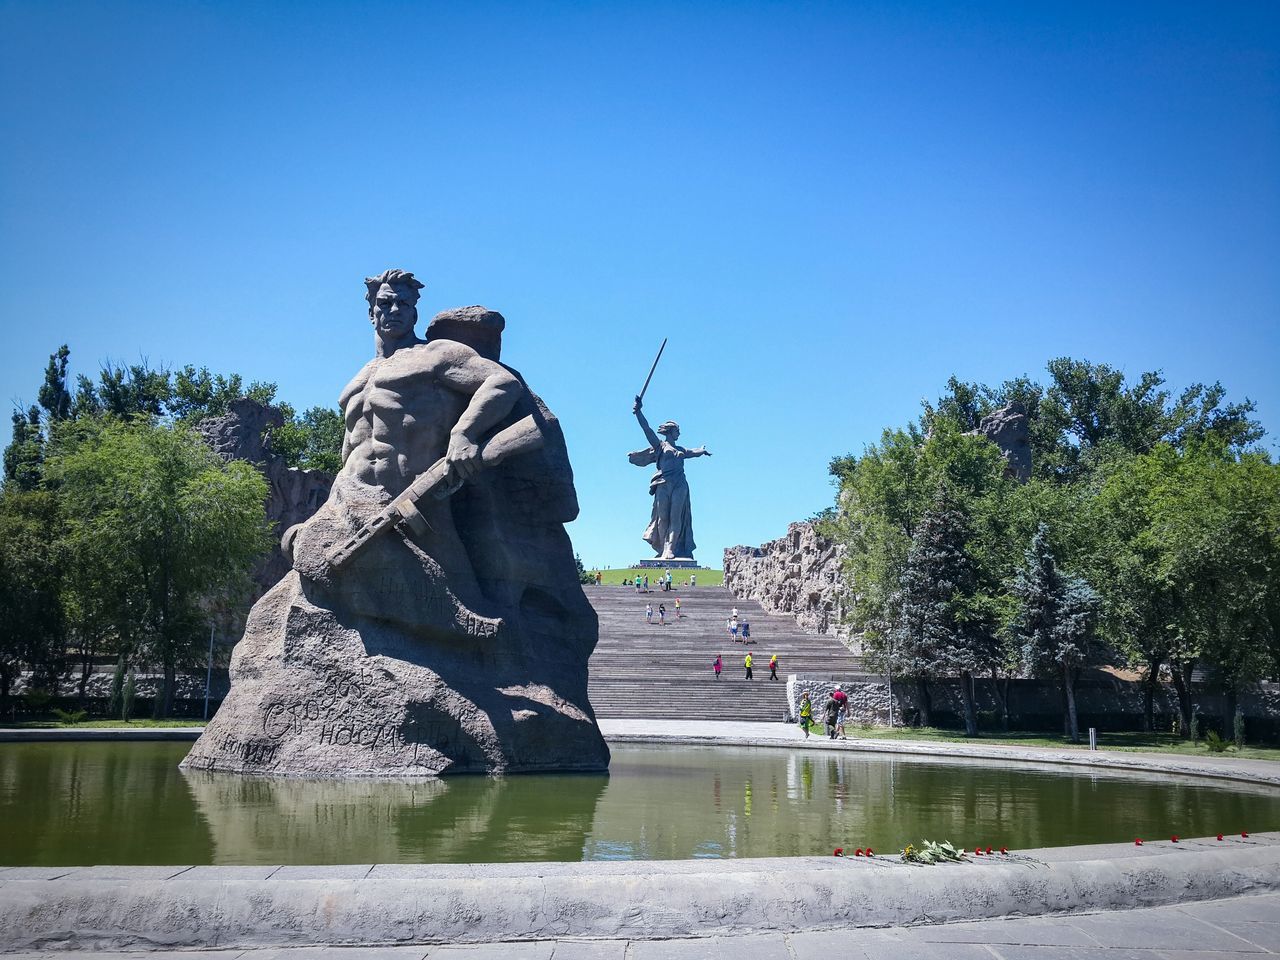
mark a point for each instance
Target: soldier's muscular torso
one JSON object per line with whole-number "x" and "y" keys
{"x": 399, "y": 411}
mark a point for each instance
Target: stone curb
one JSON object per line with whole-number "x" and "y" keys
{"x": 175, "y": 907}
{"x": 55, "y": 734}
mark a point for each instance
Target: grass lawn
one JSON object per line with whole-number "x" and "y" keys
{"x": 101, "y": 724}
{"x": 1134, "y": 742}
{"x": 706, "y": 578}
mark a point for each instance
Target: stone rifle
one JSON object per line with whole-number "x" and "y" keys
{"x": 523, "y": 436}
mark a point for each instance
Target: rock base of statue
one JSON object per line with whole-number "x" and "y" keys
{"x": 397, "y": 666}
{"x": 675, "y": 563}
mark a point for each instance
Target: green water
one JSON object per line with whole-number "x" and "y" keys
{"x": 94, "y": 803}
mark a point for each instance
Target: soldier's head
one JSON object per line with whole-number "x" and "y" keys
{"x": 393, "y": 297}
{"x": 669, "y": 430}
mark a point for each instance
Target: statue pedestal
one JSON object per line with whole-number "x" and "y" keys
{"x": 676, "y": 563}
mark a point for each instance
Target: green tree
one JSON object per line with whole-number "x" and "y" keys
{"x": 885, "y": 497}
{"x": 24, "y": 456}
{"x": 160, "y": 523}
{"x": 54, "y": 396}
{"x": 1213, "y": 534}
{"x": 943, "y": 627}
{"x": 32, "y": 572}
{"x": 1055, "y": 622}
{"x": 134, "y": 390}
{"x": 312, "y": 441}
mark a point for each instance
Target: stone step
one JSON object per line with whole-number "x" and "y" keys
{"x": 655, "y": 672}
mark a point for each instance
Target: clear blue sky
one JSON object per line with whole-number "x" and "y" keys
{"x": 828, "y": 208}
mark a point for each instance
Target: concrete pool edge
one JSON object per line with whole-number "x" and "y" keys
{"x": 788, "y": 736}
{"x": 176, "y": 907}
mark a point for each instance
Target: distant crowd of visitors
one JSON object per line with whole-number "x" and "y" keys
{"x": 641, "y": 583}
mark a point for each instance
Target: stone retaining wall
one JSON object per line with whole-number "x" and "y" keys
{"x": 1101, "y": 701}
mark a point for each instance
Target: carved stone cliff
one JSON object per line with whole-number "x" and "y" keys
{"x": 798, "y": 574}
{"x": 242, "y": 433}
{"x": 1009, "y": 429}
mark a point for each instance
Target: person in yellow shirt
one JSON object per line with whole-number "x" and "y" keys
{"x": 806, "y": 713}
{"x": 747, "y": 663}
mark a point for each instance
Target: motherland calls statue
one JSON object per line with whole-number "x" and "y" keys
{"x": 433, "y": 621}
{"x": 670, "y": 530}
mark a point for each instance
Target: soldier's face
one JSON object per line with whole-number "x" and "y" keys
{"x": 394, "y": 313}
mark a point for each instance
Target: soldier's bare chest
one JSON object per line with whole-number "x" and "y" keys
{"x": 404, "y": 382}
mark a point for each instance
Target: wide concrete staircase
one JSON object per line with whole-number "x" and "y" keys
{"x": 642, "y": 670}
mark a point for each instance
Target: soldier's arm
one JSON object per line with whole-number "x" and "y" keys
{"x": 494, "y": 391}
{"x": 344, "y": 399}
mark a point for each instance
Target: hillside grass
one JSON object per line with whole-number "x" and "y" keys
{"x": 706, "y": 578}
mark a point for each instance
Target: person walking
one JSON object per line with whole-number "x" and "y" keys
{"x": 806, "y": 714}
{"x": 773, "y": 667}
{"x": 746, "y": 632}
{"x": 599, "y": 577}
{"x": 832, "y": 711}
{"x": 732, "y": 626}
{"x": 693, "y": 579}
{"x": 747, "y": 663}
{"x": 662, "y": 614}
{"x": 648, "y": 613}
{"x": 717, "y": 665}
{"x": 678, "y": 613}
{"x": 842, "y": 719}
{"x": 646, "y": 583}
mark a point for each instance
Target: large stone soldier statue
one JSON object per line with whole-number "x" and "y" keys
{"x": 433, "y": 622}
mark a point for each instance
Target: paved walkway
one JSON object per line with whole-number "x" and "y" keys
{"x": 1213, "y": 930}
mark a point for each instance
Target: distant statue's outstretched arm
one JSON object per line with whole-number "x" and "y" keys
{"x": 644, "y": 425}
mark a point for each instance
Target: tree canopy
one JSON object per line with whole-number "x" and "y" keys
{"x": 1154, "y": 519}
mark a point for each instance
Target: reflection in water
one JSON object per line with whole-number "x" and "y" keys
{"x": 75, "y": 803}
{"x": 461, "y": 820}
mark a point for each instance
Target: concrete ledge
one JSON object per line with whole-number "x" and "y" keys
{"x": 47, "y": 734}
{"x": 174, "y": 907}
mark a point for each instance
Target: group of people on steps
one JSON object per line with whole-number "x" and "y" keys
{"x": 748, "y": 663}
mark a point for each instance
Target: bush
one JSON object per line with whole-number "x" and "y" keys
{"x": 127, "y": 698}
{"x": 1214, "y": 743}
{"x": 117, "y": 688}
{"x": 70, "y": 717}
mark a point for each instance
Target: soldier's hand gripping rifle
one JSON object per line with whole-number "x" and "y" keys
{"x": 522, "y": 436}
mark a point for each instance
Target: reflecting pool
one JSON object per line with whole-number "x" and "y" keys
{"x": 87, "y": 803}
